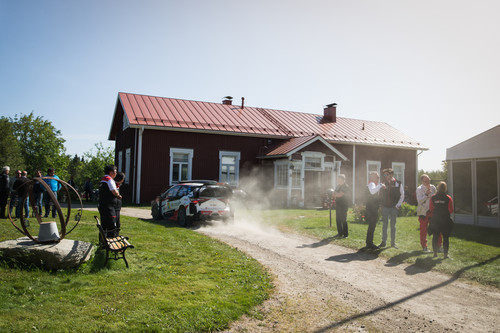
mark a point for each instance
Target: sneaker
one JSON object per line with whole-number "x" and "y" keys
{"x": 395, "y": 246}
{"x": 435, "y": 255}
{"x": 425, "y": 249}
{"x": 382, "y": 244}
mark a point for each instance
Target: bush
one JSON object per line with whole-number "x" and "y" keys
{"x": 407, "y": 210}
{"x": 359, "y": 211}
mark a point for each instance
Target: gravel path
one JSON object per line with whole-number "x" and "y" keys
{"x": 321, "y": 287}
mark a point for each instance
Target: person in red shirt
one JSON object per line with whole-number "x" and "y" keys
{"x": 441, "y": 207}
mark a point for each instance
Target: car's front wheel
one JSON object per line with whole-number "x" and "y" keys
{"x": 155, "y": 211}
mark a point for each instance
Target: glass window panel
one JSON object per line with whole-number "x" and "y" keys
{"x": 487, "y": 188}
{"x": 313, "y": 162}
{"x": 179, "y": 157}
{"x": 228, "y": 160}
{"x": 462, "y": 187}
{"x": 184, "y": 172}
{"x": 175, "y": 172}
{"x": 296, "y": 178}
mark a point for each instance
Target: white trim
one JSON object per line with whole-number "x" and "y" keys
{"x": 128, "y": 161}
{"x": 237, "y": 156}
{"x": 313, "y": 154}
{"x": 190, "y": 153}
{"x": 139, "y": 166}
{"x": 281, "y": 163}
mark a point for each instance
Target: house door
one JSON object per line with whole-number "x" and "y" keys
{"x": 313, "y": 192}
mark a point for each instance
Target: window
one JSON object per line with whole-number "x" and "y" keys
{"x": 296, "y": 179}
{"x": 372, "y": 166}
{"x": 180, "y": 164}
{"x": 127, "y": 165}
{"x": 229, "y": 167}
{"x": 313, "y": 160}
{"x": 120, "y": 156}
{"x": 487, "y": 188}
{"x": 281, "y": 175}
{"x": 399, "y": 171}
{"x": 462, "y": 187}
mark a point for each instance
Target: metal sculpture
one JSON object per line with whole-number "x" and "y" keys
{"x": 64, "y": 220}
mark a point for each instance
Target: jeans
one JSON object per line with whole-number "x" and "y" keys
{"x": 387, "y": 213}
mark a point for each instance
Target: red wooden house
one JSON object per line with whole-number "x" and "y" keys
{"x": 296, "y": 156}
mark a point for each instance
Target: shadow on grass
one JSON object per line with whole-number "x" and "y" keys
{"x": 422, "y": 265}
{"x": 452, "y": 279}
{"x": 481, "y": 235}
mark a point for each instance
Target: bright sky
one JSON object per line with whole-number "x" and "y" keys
{"x": 429, "y": 68}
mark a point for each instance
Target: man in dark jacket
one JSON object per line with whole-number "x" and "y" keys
{"x": 4, "y": 190}
{"x": 392, "y": 197}
{"x": 341, "y": 195}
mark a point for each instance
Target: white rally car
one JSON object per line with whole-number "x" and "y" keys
{"x": 194, "y": 200}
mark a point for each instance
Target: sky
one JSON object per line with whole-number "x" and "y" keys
{"x": 431, "y": 69}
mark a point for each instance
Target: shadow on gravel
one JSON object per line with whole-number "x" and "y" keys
{"x": 453, "y": 278}
{"x": 422, "y": 265}
{"x": 401, "y": 258}
{"x": 322, "y": 242}
{"x": 356, "y": 256}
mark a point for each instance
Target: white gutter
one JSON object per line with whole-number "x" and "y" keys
{"x": 139, "y": 167}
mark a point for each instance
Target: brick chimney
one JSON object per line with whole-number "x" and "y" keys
{"x": 330, "y": 113}
{"x": 228, "y": 100}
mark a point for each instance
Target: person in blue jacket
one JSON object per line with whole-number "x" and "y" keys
{"x": 55, "y": 186}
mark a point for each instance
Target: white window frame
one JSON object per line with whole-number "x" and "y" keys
{"x": 368, "y": 163}
{"x": 190, "y": 153}
{"x": 397, "y": 175}
{"x": 237, "y": 156}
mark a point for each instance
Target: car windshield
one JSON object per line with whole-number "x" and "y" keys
{"x": 215, "y": 192}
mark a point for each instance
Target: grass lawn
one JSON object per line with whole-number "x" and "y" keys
{"x": 178, "y": 281}
{"x": 475, "y": 251}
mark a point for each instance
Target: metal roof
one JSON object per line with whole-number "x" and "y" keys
{"x": 293, "y": 145}
{"x": 178, "y": 114}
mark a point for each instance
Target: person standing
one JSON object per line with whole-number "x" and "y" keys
{"x": 87, "y": 187}
{"x": 392, "y": 197}
{"x": 38, "y": 192}
{"x": 119, "y": 180}
{"x": 14, "y": 194}
{"x": 441, "y": 207}
{"x": 424, "y": 193}
{"x": 341, "y": 195}
{"x": 108, "y": 197}
{"x": 372, "y": 205}
{"x": 55, "y": 186}
{"x": 4, "y": 190}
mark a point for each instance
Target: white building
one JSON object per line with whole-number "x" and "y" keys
{"x": 473, "y": 174}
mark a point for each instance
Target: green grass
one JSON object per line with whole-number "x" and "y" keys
{"x": 178, "y": 281}
{"x": 475, "y": 251}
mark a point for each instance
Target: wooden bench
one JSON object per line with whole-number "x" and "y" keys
{"x": 116, "y": 245}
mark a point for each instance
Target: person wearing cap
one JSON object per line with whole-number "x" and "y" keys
{"x": 4, "y": 190}
{"x": 392, "y": 197}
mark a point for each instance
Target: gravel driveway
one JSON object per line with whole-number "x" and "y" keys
{"x": 321, "y": 287}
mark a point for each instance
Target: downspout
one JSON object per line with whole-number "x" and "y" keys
{"x": 139, "y": 167}
{"x": 353, "y": 172}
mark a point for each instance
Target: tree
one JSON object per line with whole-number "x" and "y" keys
{"x": 93, "y": 163}
{"x": 40, "y": 144}
{"x": 9, "y": 149}
{"x": 436, "y": 175}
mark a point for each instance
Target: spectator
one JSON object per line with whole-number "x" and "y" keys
{"x": 341, "y": 195}
{"x": 38, "y": 192}
{"x": 88, "y": 188}
{"x": 108, "y": 197}
{"x": 4, "y": 190}
{"x": 424, "y": 194}
{"x": 55, "y": 186}
{"x": 119, "y": 179}
{"x": 441, "y": 207}
{"x": 372, "y": 205}
{"x": 392, "y": 197}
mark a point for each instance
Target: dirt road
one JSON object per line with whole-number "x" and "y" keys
{"x": 321, "y": 287}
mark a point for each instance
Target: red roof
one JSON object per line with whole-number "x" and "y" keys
{"x": 178, "y": 114}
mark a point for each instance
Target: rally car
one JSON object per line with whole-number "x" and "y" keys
{"x": 194, "y": 200}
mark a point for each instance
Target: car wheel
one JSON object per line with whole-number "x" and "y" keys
{"x": 182, "y": 219}
{"x": 155, "y": 211}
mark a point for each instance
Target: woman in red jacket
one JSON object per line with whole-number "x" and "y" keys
{"x": 441, "y": 207}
